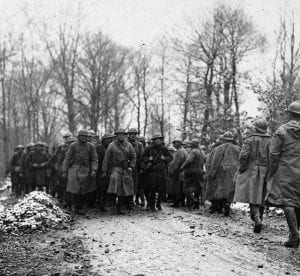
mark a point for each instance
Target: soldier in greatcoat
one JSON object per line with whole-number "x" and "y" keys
{"x": 60, "y": 187}
{"x": 283, "y": 188}
{"x": 156, "y": 158}
{"x": 223, "y": 168}
{"x": 80, "y": 166}
{"x": 251, "y": 181}
{"x": 37, "y": 161}
{"x": 26, "y": 171}
{"x": 138, "y": 185}
{"x": 120, "y": 157}
{"x": 15, "y": 170}
{"x": 193, "y": 170}
{"x": 177, "y": 175}
{"x": 102, "y": 182}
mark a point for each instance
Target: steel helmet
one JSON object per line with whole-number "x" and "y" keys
{"x": 39, "y": 143}
{"x": 30, "y": 145}
{"x": 71, "y": 139}
{"x": 261, "y": 125}
{"x": 195, "y": 142}
{"x": 178, "y": 140}
{"x": 227, "y": 136}
{"x": 294, "y": 107}
{"x": 83, "y": 132}
{"x": 186, "y": 142}
{"x": 142, "y": 139}
{"x": 20, "y": 147}
{"x": 157, "y": 136}
{"x": 92, "y": 133}
{"x": 171, "y": 148}
{"x": 120, "y": 131}
{"x": 132, "y": 131}
{"x": 67, "y": 134}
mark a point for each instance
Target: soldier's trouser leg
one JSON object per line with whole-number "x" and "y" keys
{"x": 255, "y": 213}
{"x": 226, "y": 205}
{"x": 160, "y": 198}
{"x": 78, "y": 202}
{"x": 152, "y": 195}
{"x": 291, "y": 218}
{"x": 129, "y": 202}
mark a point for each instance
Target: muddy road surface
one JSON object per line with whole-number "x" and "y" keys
{"x": 180, "y": 242}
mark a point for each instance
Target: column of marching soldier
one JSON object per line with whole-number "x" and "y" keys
{"x": 123, "y": 171}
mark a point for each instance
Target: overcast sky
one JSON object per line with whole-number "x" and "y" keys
{"x": 133, "y": 22}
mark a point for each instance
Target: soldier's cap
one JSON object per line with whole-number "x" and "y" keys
{"x": 106, "y": 136}
{"x": 202, "y": 147}
{"x": 261, "y": 125}
{"x": 83, "y": 132}
{"x": 67, "y": 134}
{"x": 39, "y": 143}
{"x": 19, "y": 147}
{"x": 227, "y": 136}
{"x": 30, "y": 145}
{"x": 120, "y": 131}
{"x": 171, "y": 148}
{"x": 132, "y": 131}
{"x": 177, "y": 139}
{"x": 294, "y": 107}
{"x": 45, "y": 145}
{"x": 71, "y": 139}
{"x": 157, "y": 136}
{"x": 195, "y": 142}
{"x": 186, "y": 142}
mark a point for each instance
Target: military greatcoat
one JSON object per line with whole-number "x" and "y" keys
{"x": 251, "y": 181}
{"x": 80, "y": 161}
{"x": 283, "y": 187}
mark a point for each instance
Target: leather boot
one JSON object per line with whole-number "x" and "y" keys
{"x": 120, "y": 210}
{"x": 291, "y": 218}
{"x": 257, "y": 220}
{"x": 227, "y": 209}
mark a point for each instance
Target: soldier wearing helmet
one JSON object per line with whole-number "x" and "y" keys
{"x": 80, "y": 167}
{"x": 252, "y": 177}
{"x": 26, "y": 172}
{"x": 284, "y": 183}
{"x": 193, "y": 173}
{"x": 102, "y": 182}
{"x": 15, "y": 170}
{"x": 138, "y": 184}
{"x": 37, "y": 161}
{"x": 223, "y": 168}
{"x": 176, "y": 174}
{"x": 120, "y": 157}
{"x": 156, "y": 158}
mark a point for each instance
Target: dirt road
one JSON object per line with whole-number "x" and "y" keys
{"x": 177, "y": 242}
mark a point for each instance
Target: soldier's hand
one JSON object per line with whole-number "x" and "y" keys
{"x": 103, "y": 174}
{"x": 35, "y": 165}
{"x": 163, "y": 157}
{"x": 21, "y": 174}
{"x": 93, "y": 174}
{"x": 129, "y": 169}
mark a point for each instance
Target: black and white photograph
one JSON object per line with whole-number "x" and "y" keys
{"x": 149, "y": 137}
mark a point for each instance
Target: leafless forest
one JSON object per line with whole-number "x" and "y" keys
{"x": 59, "y": 77}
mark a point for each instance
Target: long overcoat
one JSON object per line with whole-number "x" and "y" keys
{"x": 157, "y": 159}
{"x": 120, "y": 157}
{"x": 39, "y": 173}
{"x": 224, "y": 165}
{"x": 193, "y": 167}
{"x": 80, "y": 161}
{"x": 251, "y": 181}
{"x": 175, "y": 173}
{"x": 283, "y": 187}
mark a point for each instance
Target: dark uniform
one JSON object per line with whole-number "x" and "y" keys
{"x": 156, "y": 158}
{"x": 37, "y": 161}
{"x": 284, "y": 184}
{"x": 15, "y": 169}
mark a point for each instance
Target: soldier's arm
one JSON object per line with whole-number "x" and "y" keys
{"x": 68, "y": 159}
{"x": 168, "y": 156}
{"x": 132, "y": 156}
{"x": 276, "y": 144}
{"x": 244, "y": 156}
{"x": 29, "y": 160}
{"x": 107, "y": 157}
